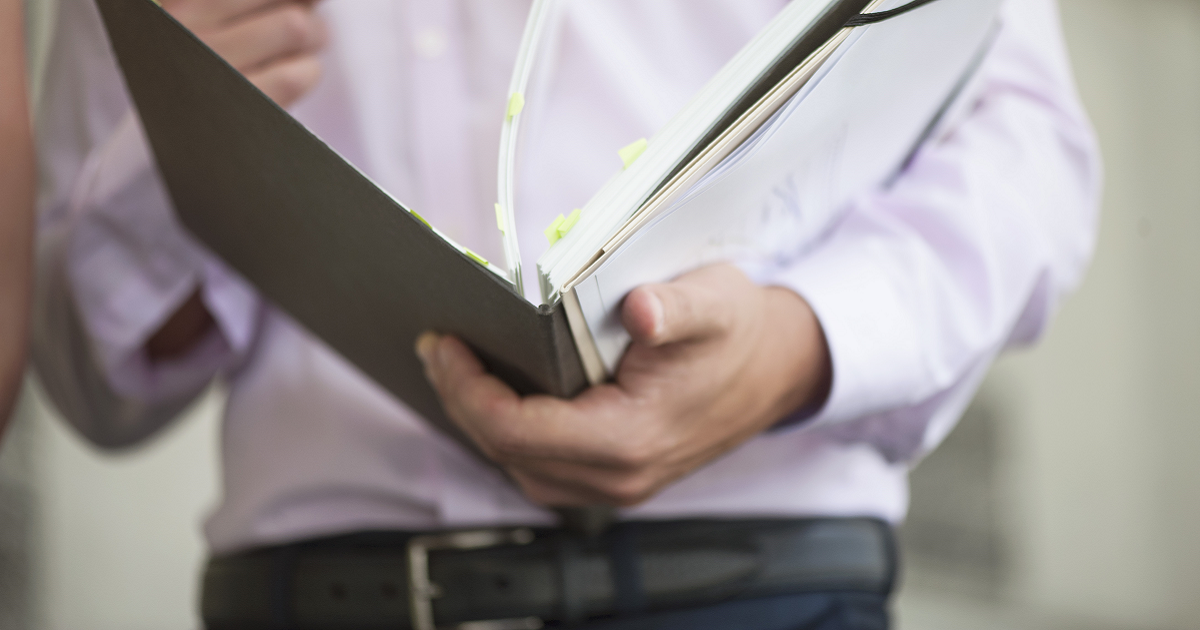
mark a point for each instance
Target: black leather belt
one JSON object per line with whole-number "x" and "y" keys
{"x": 510, "y": 578}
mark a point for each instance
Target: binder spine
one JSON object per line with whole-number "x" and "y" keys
{"x": 568, "y": 378}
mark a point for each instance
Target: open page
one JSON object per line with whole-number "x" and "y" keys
{"x": 540, "y": 15}
{"x": 844, "y": 133}
{"x": 799, "y": 29}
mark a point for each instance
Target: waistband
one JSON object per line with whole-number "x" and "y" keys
{"x": 524, "y": 577}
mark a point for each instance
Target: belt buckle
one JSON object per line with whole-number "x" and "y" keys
{"x": 422, "y": 590}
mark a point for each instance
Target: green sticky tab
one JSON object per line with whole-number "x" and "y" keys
{"x": 551, "y": 231}
{"x": 516, "y": 103}
{"x": 500, "y": 218}
{"x": 633, "y": 151}
{"x": 568, "y": 223}
{"x": 420, "y": 218}
{"x": 476, "y": 257}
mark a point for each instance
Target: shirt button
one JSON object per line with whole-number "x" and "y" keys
{"x": 431, "y": 43}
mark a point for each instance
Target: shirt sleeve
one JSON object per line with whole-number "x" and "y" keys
{"x": 110, "y": 247}
{"x": 921, "y": 285}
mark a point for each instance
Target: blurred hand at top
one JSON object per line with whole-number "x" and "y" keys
{"x": 273, "y": 42}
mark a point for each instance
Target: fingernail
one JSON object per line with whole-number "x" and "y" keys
{"x": 656, "y": 316}
{"x": 426, "y": 346}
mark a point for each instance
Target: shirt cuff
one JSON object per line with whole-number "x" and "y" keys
{"x": 131, "y": 265}
{"x": 232, "y": 302}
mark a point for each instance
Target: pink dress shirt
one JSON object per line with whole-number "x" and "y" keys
{"x": 918, "y": 288}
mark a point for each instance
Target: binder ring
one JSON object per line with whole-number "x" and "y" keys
{"x": 864, "y": 19}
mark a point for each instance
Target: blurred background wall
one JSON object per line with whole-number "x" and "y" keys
{"x": 1068, "y": 498}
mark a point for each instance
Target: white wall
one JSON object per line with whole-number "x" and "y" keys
{"x": 1108, "y": 433}
{"x": 118, "y": 535}
{"x": 1101, "y": 474}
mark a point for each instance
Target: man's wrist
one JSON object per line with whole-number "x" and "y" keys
{"x": 795, "y": 342}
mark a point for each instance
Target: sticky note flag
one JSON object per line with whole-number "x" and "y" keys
{"x": 568, "y": 223}
{"x": 560, "y": 226}
{"x": 476, "y": 257}
{"x": 500, "y": 218}
{"x": 515, "y": 104}
{"x": 551, "y": 231}
{"x": 420, "y": 218}
{"x": 633, "y": 151}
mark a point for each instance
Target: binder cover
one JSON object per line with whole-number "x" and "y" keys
{"x": 315, "y": 235}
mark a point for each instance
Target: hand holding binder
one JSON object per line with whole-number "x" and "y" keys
{"x": 715, "y": 360}
{"x": 275, "y": 44}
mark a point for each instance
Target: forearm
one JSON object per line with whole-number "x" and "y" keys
{"x": 114, "y": 264}
{"x": 802, "y": 369}
{"x": 921, "y": 285}
{"x": 70, "y": 372}
{"x": 16, "y": 204}
{"x": 253, "y": 35}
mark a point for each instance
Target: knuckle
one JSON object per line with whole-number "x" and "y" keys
{"x": 506, "y": 444}
{"x": 490, "y": 452}
{"x": 631, "y": 458}
{"x": 637, "y": 454}
{"x": 297, "y": 25}
{"x": 629, "y": 491}
{"x": 188, "y": 12}
{"x": 297, "y": 79}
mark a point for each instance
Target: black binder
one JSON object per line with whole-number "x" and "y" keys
{"x": 318, "y": 238}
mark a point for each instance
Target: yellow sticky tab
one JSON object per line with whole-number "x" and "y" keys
{"x": 568, "y": 223}
{"x": 551, "y": 231}
{"x": 515, "y": 104}
{"x": 633, "y": 151}
{"x": 476, "y": 257}
{"x": 500, "y": 218}
{"x": 420, "y": 218}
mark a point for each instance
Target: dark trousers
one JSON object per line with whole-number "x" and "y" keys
{"x": 809, "y": 611}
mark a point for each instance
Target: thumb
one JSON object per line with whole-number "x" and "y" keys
{"x": 660, "y": 314}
